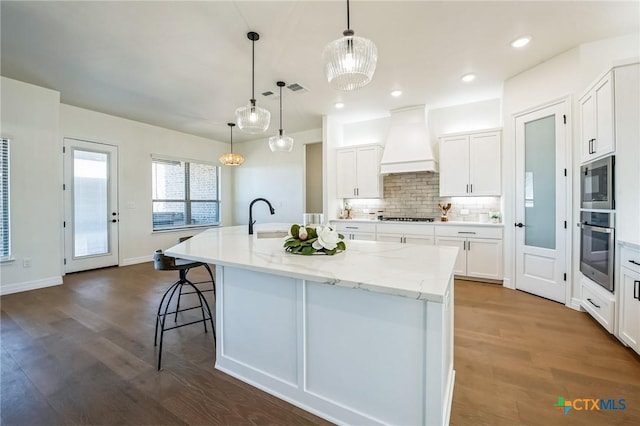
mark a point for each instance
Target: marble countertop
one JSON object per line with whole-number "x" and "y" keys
{"x": 634, "y": 244}
{"x": 436, "y": 222}
{"x": 408, "y": 270}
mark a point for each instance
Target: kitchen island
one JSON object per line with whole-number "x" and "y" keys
{"x": 361, "y": 337}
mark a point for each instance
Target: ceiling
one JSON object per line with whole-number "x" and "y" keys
{"x": 187, "y": 65}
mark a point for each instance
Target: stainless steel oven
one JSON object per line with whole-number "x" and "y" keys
{"x": 597, "y": 184}
{"x": 597, "y": 243}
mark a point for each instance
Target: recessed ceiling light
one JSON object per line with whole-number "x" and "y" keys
{"x": 339, "y": 105}
{"x": 467, "y": 78}
{"x": 396, "y": 93}
{"x": 521, "y": 41}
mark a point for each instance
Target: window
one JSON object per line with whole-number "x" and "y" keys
{"x": 5, "y": 231}
{"x": 185, "y": 194}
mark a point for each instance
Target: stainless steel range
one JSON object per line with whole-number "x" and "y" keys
{"x": 406, "y": 219}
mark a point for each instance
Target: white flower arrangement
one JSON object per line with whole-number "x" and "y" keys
{"x": 308, "y": 240}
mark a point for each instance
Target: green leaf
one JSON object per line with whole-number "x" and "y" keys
{"x": 341, "y": 236}
{"x": 312, "y": 232}
{"x": 330, "y": 252}
{"x": 296, "y": 249}
{"x": 292, "y": 243}
{"x": 308, "y": 250}
{"x": 341, "y": 245}
{"x": 295, "y": 229}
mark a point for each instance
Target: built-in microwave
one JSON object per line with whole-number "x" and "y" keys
{"x": 597, "y": 184}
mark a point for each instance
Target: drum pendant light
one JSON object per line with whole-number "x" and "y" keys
{"x": 350, "y": 61}
{"x": 231, "y": 158}
{"x": 280, "y": 142}
{"x": 251, "y": 118}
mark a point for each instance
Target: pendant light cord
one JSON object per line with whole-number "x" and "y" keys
{"x": 253, "y": 71}
{"x": 348, "y": 23}
{"x": 280, "y": 110}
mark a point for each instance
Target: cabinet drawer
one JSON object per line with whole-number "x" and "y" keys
{"x": 469, "y": 231}
{"x": 598, "y": 305}
{"x": 630, "y": 258}
{"x": 343, "y": 227}
{"x": 404, "y": 229}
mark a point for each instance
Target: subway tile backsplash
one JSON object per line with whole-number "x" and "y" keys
{"x": 417, "y": 195}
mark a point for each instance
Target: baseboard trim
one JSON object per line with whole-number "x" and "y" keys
{"x": 506, "y": 282}
{"x": 136, "y": 260}
{"x": 575, "y": 304}
{"x": 29, "y": 285}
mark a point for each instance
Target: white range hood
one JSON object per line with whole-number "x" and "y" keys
{"x": 408, "y": 148}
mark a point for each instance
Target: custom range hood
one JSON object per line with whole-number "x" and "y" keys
{"x": 408, "y": 148}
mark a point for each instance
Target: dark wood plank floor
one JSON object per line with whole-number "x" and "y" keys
{"x": 82, "y": 353}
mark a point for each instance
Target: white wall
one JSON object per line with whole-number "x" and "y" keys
{"x": 136, "y": 142}
{"x": 277, "y": 176}
{"x": 30, "y": 119}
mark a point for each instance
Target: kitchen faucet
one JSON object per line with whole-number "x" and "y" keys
{"x": 251, "y": 221}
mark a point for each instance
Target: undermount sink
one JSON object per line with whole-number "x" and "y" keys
{"x": 271, "y": 234}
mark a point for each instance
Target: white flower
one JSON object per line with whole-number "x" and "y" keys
{"x": 327, "y": 238}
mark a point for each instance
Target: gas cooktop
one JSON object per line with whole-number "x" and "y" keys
{"x": 407, "y": 219}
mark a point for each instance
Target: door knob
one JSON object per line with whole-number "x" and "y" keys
{"x": 519, "y": 224}
{"x": 113, "y": 220}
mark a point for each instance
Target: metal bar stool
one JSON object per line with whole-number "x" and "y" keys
{"x": 161, "y": 262}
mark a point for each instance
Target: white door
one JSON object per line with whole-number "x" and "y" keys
{"x": 368, "y": 172}
{"x": 484, "y": 258}
{"x": 346, "y": 179}
{"x": 540, "y": 234}
{"x": 460, "y": 267}
{"x": 91, "y": 208}
{"x": 454, "y": 166}
{"x": 484, "y": 164}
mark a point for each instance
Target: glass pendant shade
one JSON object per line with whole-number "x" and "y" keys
{"x": 252, "y": 118}
{"x": 281, "y": 142}
{"x": 231, "y": 158}
{"x": 350, "y": 62}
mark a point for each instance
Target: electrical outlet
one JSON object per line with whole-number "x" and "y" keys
{"x": 26, "y": 262}
{"x": 464, "y": 211}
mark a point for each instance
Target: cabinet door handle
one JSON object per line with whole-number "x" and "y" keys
{"x": 471, "y": 188}
{"x": 634, "y": 262}
{"x": 636, "y": 290}
{"x": 351, "y": 227}
{"x": 467, "y": 190}
{"x": 591, "y": 301}
{"x": 469, "y": 245}
{"x": 466, "y": 232}
{"x": 594, "y": 146}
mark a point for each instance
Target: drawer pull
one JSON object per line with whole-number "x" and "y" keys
{"x": 636, "y": 290}
{"x": 466, "y": 232}
{"x": 351, "y": 227}
{"x": 634, "y": 262}
{"x": 591, "y": 301}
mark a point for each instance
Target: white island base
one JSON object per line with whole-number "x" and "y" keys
{"x": 363, "y": 337}
{"x": 348, "y": 355}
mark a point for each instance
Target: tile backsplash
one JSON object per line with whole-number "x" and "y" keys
{"x": 417, "y": 195}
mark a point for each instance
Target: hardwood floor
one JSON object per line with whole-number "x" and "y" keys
{"x": 82, "y": 353}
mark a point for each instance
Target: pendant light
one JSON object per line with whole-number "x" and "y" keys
{"x": 231, "y": 158}
{"x": 350, "y": 61}
{"x": 281, "y": 142}
{"x": 251, "y": 118}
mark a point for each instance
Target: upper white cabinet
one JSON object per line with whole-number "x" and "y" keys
{"x": 596, "y": 119}
{"x": 358, "y": 171}
{"x": 470, "y": 164}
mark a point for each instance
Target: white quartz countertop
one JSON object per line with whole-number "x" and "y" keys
{"x": 414, "y": 271}
{"x": 436, "y": 222}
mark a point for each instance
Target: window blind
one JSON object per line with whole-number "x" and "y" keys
{"x": 5, "y": 230}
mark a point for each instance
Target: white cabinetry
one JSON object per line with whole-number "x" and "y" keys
{"x": 470, "y": 164}
{"x": 596, "y": 119}
{"x": 598, "y": 302}
{"x": 629, "y": 328}
{"x": 358, "y": 171}
{"x": 356, "y": 230}
{"x": 480, "y": 254}
{"x": 405, "y": 233}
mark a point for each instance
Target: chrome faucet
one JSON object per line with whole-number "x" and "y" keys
{"x": 251, "y": 221}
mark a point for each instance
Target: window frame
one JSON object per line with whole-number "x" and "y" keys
{"x": 5, "y": 213}
{"x": 187, "y": 201}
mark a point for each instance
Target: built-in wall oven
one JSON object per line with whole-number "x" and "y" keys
{"x": 597, "y": 246}
{"x": 597, "y": 184}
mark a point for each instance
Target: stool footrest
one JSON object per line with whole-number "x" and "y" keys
{"x": 189, "y": 323}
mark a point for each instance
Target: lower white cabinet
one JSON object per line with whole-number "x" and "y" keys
{"x": 405, "y": 233}
{"x": 356, "y": 230}
{"x": 598, "y": 302}
{"x": 480, "y": 250}
{"x": 629, "y": 327}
